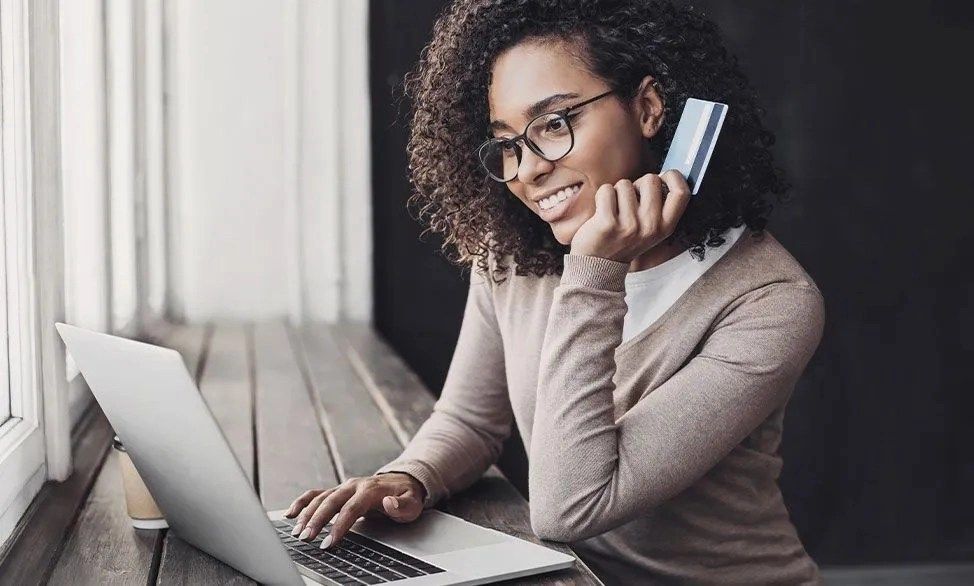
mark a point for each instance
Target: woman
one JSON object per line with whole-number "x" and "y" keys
{"x": 647, "y": 374}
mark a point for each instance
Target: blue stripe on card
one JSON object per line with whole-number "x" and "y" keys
{"x": 705, "y": 145}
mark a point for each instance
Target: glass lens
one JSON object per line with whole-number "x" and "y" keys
{"x": 500, "y": 157}
{"x": 549, "y": 133}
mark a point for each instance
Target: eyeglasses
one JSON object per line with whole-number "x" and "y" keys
{"x": 549, "y": 135}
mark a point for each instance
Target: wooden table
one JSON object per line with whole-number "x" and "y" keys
{"x": 301, "y": 408}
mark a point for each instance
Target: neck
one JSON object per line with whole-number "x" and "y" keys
{"x": 655, "y": 256}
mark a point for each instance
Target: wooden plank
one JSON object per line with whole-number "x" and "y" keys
{"x": 927, "y": 574}
{"x": 183, "y": 563}
{"x": 33, "y": 548}
{"x": 292, "y": 452}
{"x": 398, "y": 392}
{"x": 104, "y": 548}
{"x": 226, "y": 385}
{"x": 345, "y": 407}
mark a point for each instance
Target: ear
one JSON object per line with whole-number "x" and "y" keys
{"x": 648, "y": 104}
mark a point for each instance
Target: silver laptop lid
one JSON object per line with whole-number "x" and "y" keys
{"x": 155, "y": 408}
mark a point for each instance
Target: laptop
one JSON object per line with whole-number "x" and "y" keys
{"x": 150, "y": 399}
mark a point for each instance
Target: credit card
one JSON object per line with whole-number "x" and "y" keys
{"x": 694, "y": 140}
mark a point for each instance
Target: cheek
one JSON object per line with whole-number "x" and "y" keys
{"x": 608, "y": 156}
{"x": 594, "y": 159}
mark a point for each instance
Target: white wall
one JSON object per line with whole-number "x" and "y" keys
{"x": 262, "y": 194}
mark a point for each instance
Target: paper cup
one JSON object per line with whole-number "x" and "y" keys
{"x": 141, "y": 507}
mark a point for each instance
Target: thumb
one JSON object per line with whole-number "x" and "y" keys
{"x": 404, "y": 508}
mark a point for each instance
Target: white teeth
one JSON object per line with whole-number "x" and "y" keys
{"x": 552, "y": 201}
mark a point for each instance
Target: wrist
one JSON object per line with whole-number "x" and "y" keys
{"x": 418, "y": 487}
{"x": 594, "y": 271}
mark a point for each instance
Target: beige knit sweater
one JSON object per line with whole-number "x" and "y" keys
{"x": 656, "y": 459}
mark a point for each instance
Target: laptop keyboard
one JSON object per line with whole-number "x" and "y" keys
{"x": 356, "y": 559}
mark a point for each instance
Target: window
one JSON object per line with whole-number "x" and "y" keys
{"x": 22, "y": 442}
{"x": 83, "y": 215}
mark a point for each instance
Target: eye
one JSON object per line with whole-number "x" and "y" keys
{"x": 556, "y": 124}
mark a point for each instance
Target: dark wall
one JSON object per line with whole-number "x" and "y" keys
{"x": 869, "y": 101}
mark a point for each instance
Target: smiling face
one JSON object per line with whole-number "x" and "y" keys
{"x": 610, "y": 136}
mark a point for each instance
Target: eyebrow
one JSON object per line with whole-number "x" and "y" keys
{"x": 535, "y": 109}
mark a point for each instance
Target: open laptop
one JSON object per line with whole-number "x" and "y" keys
{"x": 179, "y": 450}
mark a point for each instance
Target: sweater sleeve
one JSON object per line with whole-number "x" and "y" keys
{"x": 590, "y": 473}
{"x": 465, "y": 433}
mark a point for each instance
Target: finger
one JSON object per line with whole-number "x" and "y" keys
{"x": 305, "y": 515}
{"x": 626, "y": 197}
{"x": 347, "y": 516}
{"x": 301, "y": 502}
{"x": 405, "y": 507}
{"x": 326, "y": 510}
{"x": 676, "y": 200}
{"x": 607, "y": 202}
{"x": 650, "y": 202}
{"x": 309, "y": 511}
{"x": 391, "y": 506}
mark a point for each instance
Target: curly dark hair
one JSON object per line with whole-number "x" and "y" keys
{"x": 619, "y": 42}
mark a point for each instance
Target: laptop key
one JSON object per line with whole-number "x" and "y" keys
{"x": 359, "y": 573}
{"x": 372, "y": 567}
{"x": 357, "y": 552}
{"x": 405, "y": 570}
{"x": 282, "y": 523}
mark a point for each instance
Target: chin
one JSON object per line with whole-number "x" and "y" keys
{"x": 563, "y": 238}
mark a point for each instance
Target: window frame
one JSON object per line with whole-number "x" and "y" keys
{"x": 23, "y": 462}
{"x": 36, "y": 446}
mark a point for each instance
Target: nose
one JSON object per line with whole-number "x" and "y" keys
{"x": 532, "y": 165}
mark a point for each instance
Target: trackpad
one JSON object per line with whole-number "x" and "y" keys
{"x": 431, "y": 534}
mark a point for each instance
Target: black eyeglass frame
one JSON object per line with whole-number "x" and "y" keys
{"x": 523, "y": 137}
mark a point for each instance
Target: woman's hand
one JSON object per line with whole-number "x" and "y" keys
{"x": 623, "y": 227}
{"x": 396, "y": 495}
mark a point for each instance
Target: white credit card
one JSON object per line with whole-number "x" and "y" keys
{"x": 694, "y": 140}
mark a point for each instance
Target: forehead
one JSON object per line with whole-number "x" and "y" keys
{"x": 531, "y": 71}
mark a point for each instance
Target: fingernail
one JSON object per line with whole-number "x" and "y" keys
{"x": 395, "y": 503}
{"x": 325, "y": 542}
{"x": 305, "y": 534}
{"x": 297, "y": 529}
